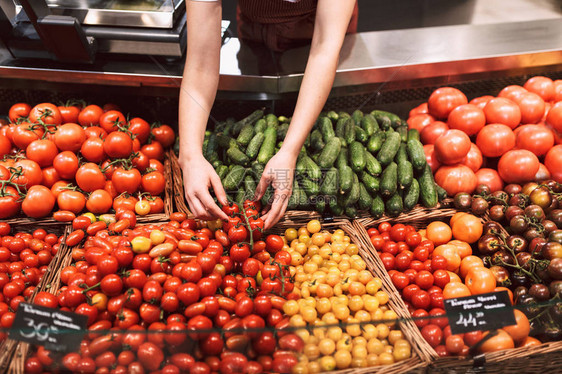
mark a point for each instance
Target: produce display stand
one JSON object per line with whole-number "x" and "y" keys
{"x": 545, "y": 357}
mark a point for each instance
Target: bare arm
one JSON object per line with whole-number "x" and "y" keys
{"x": 197, "y": 94}
{"x": 332, "y": 20}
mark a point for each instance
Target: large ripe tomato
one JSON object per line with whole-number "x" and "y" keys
{"x": 455, "y": 179}
{"x": 553, "y": 118}
{"x": 92, "y": 149}
{"x": 39, "y": 202}
{"x": 42, "y": 151}
{"x": 420, "y": 109}
{"x": 553, "y": 162}
{"x": 118, "y": 144}
{"x": 126, "y": 180}
{"x": 99, "y": 202}
{"x": 31, "y": 173}
{"x": 140, "y": 128}
{"x": 153, "y": 183}
{"x": 512, "y": 92}
{"x": 542, "y": 86}
{"x": 543, "y": 174}
{"x": 24, "y": 133}
{"x": 66, "y": 164}
{"x": 499, "y": 342}
{"x": 50, "y": 177}
{"x": 150, "y": 356}
{"x": 18, "y": 110}
{"x": 535, "y": 138}
{"x": 420, "y": 121}
{"x": 89, "y": 177}
{"x": 90, "y": 115}
{"x": 504, "y": 111}
{"x": 481, "y": 101}
{"x": 164, "y": 135}
{"x": 95, "y": 131}
{"x": 429, "y": 150}
{"x": 521, "y": 329}
{"x": 153, "y": 150}
{"x": 111, "y": 120}
{"x": 70, "y": 200}
{"x": 468, "y": 118}
{"x": 532, "y": 107}
{"x": 48, "y": 113}
{"x": 433, "y": 131}
{"x": 69, "y": 137}
{"x": 490, "y": 178}
{"x": 473, "y": 158}
{"x": 69, "y": 113}
{"x": 518, "y": 166}
{"x": 5, "y": 145}
{"x": 467, "y": 228}
{"x": 9, "y": 203}
{"x": 495, "y": 139}
{"x": 443, "y": 100}
{"x": 455, "y": 289}
{"x": 452, "y": 147}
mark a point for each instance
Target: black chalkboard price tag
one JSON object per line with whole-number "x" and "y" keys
{"x": 54, "y": 329}
{"x": 488, "y": 311}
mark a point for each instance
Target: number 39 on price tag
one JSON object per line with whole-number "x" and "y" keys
{"x": 54, "y": 329}
{"x": 483, "y": 312}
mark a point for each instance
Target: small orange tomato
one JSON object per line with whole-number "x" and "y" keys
{"x": 467, "y": 228}
{"x": 521, "y": 329}
{"x": 455, "y": 217}
{"x": 497, "y": 343}
{"x": 451, "y": 254}
{"x": 464, "y": 248}
{"x": 480, "y": 280}
{"x": 455, "y": 289}
{"x": 469, "y": 262}
{"x": 529, "y": 341}
{"x": 439, "y": 232}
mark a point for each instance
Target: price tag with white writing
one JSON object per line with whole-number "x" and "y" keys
{"x": 54, "y": 329}
{"x": 488, "y": 311}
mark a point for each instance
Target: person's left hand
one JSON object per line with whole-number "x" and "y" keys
{"x": 279, "y": 173}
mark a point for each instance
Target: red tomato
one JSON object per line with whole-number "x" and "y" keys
{"x": 153, "y": 183}
{"x": 118, "y": 144}
{"x": 532, "y": 107}
{"x": 99, "y": 202}
{"x": 535, "y": 138}
{"x": 433, "y": 131}
{"x": 504, "y": 111}
{"x": 140, "y": 128}
{"x": 518, "y": 166}
{"x": 90, "y": 178}
{"x": 490, "y": 178}
{"x": 92, "y": 149}
{"x": 66, "y": 164}
{"x": 19, "y": 110}
{"x": 554, "y": 116}
{"x": 42, "y": 151}
{"x": 420, "y": 109}
{"x": 455, "y": 179}
{"x": 512, "y": 92}
{"x": 481, "y": 101}
{"x": 432, "y": 334}
{"x": 5, "y": 145}
{"x": 468, "y": 118}
{"x": 111, "y": 120}
{"x": 164, "y": 135}
{"x": 542, "y": 86}
{"x": 553, "y": 162}
{"x": 39, "y": 202}
{"x": 473, "y": 158}
{"x": 443, "y": 100}
{"x": 126, "y": 180}
{"x": 69, "y": 137}
{"x": 495, "y": 139}
{"x": 543, "y": 174}
{"x": 429, "y": 150}
{"x": 420, "y": 121}
{"x": 90, "y": 115}
{"x": 48, "y": 113}
{"x": 452, "y": 147}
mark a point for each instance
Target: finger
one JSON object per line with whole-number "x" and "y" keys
{"x": 262, "y": 187}
{"x": 271, "y": 219}
{"x": 199, "y": 210}
{"x": 210, "y": 206}
{"x": 219, "y": 189}
{"x": 281, "y": 199}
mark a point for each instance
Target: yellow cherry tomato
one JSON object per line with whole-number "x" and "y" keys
{"x": 141, "y": 244}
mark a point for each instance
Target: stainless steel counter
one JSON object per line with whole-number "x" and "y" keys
{"x": 397, "y": 57}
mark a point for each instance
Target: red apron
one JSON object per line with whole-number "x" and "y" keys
{"x": 280, "y": 24}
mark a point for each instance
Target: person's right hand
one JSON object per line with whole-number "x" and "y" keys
{"x": 198, "y": 177}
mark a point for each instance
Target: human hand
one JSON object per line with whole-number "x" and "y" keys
{"x": 198, "y": 177}
{"x": 279, "y": 173}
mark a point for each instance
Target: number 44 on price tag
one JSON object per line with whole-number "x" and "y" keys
{"x": 483, "y": 312}
{"x": 54, "y": 329}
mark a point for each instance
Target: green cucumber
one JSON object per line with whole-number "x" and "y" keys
{"x": 428, "y": 192}
{"x": 221, "y": 171}
{"x": 395, "y": 121}
{"x": 246, "y": 134}
{"x": 282, "y": 131}
{"x": 310, "y": 187}
{"x": 341, "y": 161}
{"x": 226, "y": 141}
{"x": 237, "y": 156}
{"x": 329, "y": 185}
{"x": 405, "y": 173}
{"x": 402, "y": 154}
{"x": 357, "y": 116}
{"x": 341, "y": 126}
{"x": 234, "y": 177}
{"x": 320, "y": 204}
{"x": 441, "y": 193}
{"x": 416, "y": 154}
{"x": 372, "y": 183}
{"x": 250, "y": 185}
{"x": 365, "y": 198}
{"x": 212, "y": 145}
{"x": 335, "y": 208}
{"x": 345, "y": 179}
{"x": 312, "y": 169}
{"x": 389, "y": 149}
{"x": 413, "y": 134}
{"x": 254, "y": 145}
{"x": 330, "y": 153}
{"x": 377, "y": 207}
{"x": 353, "y": 196}
{"x": 260, "y": 126}
{"x": 349, "y": 132}
{"x": 403, "y": 131}
{"x": 374, "y": 143}
{"x": 332, "y": 115}
{"x": 394, "y": 205}
{"x": 389, "y": 180}
{"x": 268, "y": 146}
{"x": 361, "y": 135}
{"x": 253, "y": 117}
{"x": 351, "y": 212}
{"x": 411, "y": 195}
{"x": 316, "y": 141}
{"x": 326, "y": 128}
{"x": 357, "y": 159}
{"x": 369, "y": 124}
{"x": 271, "y": 120}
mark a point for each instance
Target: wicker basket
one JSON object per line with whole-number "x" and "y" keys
{"x": 13, "y": 354}
{"x": 545, "y": 357}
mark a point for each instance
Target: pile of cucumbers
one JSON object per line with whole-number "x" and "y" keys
{"x": 349, "y": 163}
